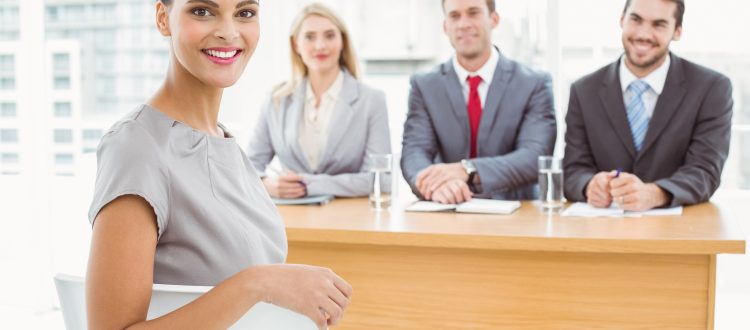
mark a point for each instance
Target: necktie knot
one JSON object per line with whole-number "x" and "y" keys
{"x": 638, "y": 87}
{"x": 474, "y": 81}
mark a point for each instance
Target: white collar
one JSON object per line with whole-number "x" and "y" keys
{"x": 332, "y": 92}
{"x": 655, "y": 79}
{"x": 487, "y": 71}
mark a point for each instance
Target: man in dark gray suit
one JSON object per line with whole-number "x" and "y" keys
{"x": 650, "y": 129}
{"x": 477, "y": 123}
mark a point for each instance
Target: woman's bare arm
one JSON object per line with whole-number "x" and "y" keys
{"x": 120, "y": 277}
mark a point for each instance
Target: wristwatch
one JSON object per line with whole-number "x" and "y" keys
{"x": 471, "y": 170}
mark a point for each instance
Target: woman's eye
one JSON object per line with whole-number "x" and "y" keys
{"x": 201, "y": 12}
{"x": 246, "y": 14}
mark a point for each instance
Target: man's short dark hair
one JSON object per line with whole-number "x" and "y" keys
{"x": 490, "y": 5}
{"x": 678, "y": 13}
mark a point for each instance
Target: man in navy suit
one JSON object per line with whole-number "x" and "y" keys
{"x": 476, "y": 123}
{"x": 650, "y": 129}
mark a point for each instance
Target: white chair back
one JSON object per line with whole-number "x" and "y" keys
{"x": 166, "y": 298}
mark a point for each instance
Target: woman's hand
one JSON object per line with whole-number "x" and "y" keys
{"x": 288, "y": 185}
{"x": 316, "y": 292}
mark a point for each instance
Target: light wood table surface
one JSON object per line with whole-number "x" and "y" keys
{"x": 528, "y": 270}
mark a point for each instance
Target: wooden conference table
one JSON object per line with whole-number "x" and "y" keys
{"x": 527, "y": 270}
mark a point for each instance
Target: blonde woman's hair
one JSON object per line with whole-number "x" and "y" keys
{"x": 347, "y": 59}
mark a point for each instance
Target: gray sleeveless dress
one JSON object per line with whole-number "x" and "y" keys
{"x": 213, "y": 214}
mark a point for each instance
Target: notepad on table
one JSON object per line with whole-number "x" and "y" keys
{"x": 475, "y": 205}
{"x": 587, "y": 210}
{"x": 320, "y": 200}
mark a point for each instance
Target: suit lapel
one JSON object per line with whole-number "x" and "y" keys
{"x": 292, "y": 116}
{"x": 497, "y": 88}
{"x": 667, "y": 104}
{"x": 454, "y": 91}
{"x": 614, "y": 106}
{"x": 342, "y": 115}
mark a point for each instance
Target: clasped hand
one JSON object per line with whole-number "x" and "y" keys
{"x": 286, "y": 185}
{"x": 627, "y": 190}
{"x": 444, "y": 183}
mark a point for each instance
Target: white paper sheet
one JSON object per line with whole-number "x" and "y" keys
{"x": 586, "y": 210}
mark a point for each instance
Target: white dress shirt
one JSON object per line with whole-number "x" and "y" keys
{"x": 487, "y": 71}
{"x": 655, "y": 81}
{"x": 314, "y": 128}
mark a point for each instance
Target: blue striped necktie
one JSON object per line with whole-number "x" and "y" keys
{"x": 636, "y": 110}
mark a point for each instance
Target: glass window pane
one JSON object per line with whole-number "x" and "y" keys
{"x": 63, "y": 159}
{"x": 736, "y": 173}
{"x": 7, "y": 64}
{"x": 7, "y": 83}
{"x": 63, "y": 136}
{"x": 63, "y": 110}
{"x": 52, "y": 14}
{"x": 61, "y": 63}
{"x": 7, "y": 110}
{"x": 92, "y": 134}
{"x": 8, "y": 135}
{"x": 9, "y": 158}
{"x": 62, "y": 82}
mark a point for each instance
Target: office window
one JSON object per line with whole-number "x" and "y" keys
{"x": 64, "y": 159}
{"x": 53, "y": 14}
{"x": 105, "y": 85}
{"x": 104, "y": 62}
{"x": 61, "y": 63}
{"x": 7, "y": 72}
{"x": 63, "y": 135}
{"x": 106, "y": 39}
{"x": 11, "y": 17}
{"x": 62, "y": 83}
{"x": 9, "y": 158}
{"x": 63, "y": 110}
{"x": 9, "y": 35}
{"x": 92, "y": 134}
{"x": 7, "y": 83}
{"x": 7, "y": 110}
{"x": 8, "y": 135}
{"x": 7, "y": 64}
{"x": 742, "y": 106}
{"x": 103, "y": 12}
{"x": 75, "y": 13}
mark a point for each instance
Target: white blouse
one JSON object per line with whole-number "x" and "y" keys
{"x": 314, "y": 128}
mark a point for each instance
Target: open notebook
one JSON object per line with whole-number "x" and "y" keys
{"x": 307, "y": 200}
{"x": 580, "y": 209}
{"x": 475, "y": 205}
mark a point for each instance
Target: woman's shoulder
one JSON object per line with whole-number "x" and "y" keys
{"x": 142, "y": 131}
{"x": 367, "y": 95}
{"x": 279, "y": 96}
{"x": 356, "y": 85}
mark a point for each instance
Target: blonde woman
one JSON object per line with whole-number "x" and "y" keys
{"x": 323, "y": 122}
{"x": 177, "y": 202}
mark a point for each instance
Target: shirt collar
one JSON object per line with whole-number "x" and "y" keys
{"x": 487, "y": 71}
{"x": 331, "y": 93}
{"x": 655, "y": 79}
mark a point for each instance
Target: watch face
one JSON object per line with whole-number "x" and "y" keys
{"x": 468, "y": 166}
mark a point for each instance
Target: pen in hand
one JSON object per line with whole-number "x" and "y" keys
{"x": 289, "y": 178}
{"x": 617, "y": 175}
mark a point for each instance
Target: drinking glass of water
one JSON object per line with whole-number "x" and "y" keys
{"x": 551, "y": 182}
{"x": 380, "y": 166}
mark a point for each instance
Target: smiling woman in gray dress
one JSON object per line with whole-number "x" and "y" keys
{"x": 177, "y": 202}
{"x": 323, "y": 122}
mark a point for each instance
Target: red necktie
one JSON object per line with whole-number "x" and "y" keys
{"x": 474, "y": 107}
